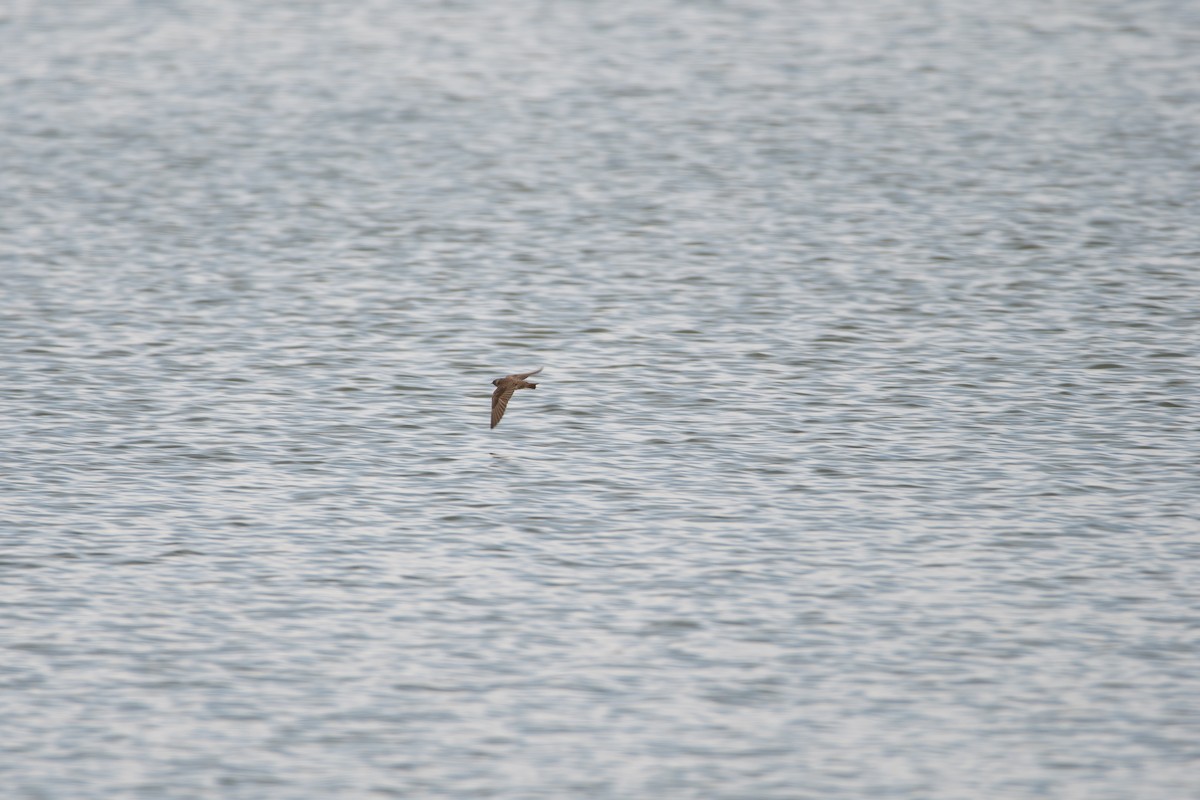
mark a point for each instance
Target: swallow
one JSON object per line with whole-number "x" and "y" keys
{"x": 504, "y": 389}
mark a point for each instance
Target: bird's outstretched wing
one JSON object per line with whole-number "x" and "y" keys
{"x": 500, "y": 402}
{"x": 523, "y": 375}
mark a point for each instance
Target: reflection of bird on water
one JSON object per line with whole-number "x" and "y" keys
{"x": 504, "y": 390}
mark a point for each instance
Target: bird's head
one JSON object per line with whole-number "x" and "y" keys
{"x": 496, "y": 382}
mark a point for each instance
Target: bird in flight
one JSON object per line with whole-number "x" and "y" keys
{"x": 504, "y": 390}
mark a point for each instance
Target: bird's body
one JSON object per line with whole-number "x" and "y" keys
{"x": 504, "y": 390}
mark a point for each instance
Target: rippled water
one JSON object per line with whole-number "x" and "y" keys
{"x": 863, "y": 464}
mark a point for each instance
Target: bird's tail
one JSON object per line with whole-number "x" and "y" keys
{"x": 528, "y": 385}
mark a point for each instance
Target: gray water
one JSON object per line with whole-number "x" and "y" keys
{"x": 863, "y": 464}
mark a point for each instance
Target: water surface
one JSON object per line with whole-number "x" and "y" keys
{"x": 862, "y": 466}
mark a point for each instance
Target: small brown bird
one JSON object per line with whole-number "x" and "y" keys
{"x": 504, "y": 389}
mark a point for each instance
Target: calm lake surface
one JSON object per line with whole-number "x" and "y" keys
{"x": 863, "y": 465}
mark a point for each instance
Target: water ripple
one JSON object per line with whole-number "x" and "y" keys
{"x": 863, "y": 465}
